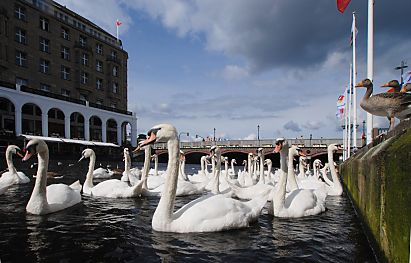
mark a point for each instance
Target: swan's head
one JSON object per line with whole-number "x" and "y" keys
{"x": 159, "y": 133}
{"x": 279, "y": 144}
{"x": 226, "y": 159}
{"x": 181, "y": 152}
{"x": 334, "y": 147}
{"x": 86, "y": 154}
{"x": 393, "y": 84}
{"x": 296, "y": 151}
{"x": 251, "y": 155}
{"x": 126, "y": 151}
{"x": 364, "y": 83}
{"x": 234, "y": 161}
{"x": 267, "y": 161}
{"x": 13, "y": 149}
{"x": 35, "y": 146}
{"x": 214, "y": 150}
{"x": 245, "y": 162}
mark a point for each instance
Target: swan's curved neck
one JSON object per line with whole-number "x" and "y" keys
{"x": 9, "y": 160}
{"x": 165, "y": 206}
{"x": 155, "y": 165}
{"x": 249, "y": 164}
{"x": 127, "y": 163}
{"x": 291, "y": 174}
{"x": 202, "y": 160}
{"x": 279, "y": 197}
{"x": 232, "y": 165}
{"x": 89, "y": 176}
{"x": 146, "y": 167}
{"x": 262, "y": 176}
{"x": 337, "y": 184}
{"x": 39, "y": 194}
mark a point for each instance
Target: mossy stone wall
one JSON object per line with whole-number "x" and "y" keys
{"x": 379, "y": 183}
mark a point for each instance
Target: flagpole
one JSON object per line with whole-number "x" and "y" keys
{"x": 349, "y": 116}
{"x": 354, "y": 74}
{"x": 370, "y": 61}
{"x": 345, "y": 125}
{"x": 117, "y": 29}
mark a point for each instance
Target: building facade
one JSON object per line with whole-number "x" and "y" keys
{"x": 69, "y": 74}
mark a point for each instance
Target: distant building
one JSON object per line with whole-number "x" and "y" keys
{"x": 61, "y": 75}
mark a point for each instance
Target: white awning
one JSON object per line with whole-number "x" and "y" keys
{"x": 64, "y": 140}
{"x": 49, "y": 139}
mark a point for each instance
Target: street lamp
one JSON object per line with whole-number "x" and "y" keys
{"x": 179, "y": 135}
{"x": 401, "y": 68}
{"x": 214, "y": 135}
{"x": 258, "y": 135}
{"x": 198, "y": 136}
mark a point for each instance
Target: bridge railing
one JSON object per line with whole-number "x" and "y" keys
{"x": 255, "y": 143}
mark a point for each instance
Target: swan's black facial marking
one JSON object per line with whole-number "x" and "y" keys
{"x": 30, "y": 151}
{"x": 154, "y": 130}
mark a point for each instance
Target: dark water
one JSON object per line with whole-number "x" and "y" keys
{"x": 119, "y": 230}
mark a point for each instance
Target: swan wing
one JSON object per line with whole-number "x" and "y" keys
{"x": 61, "y": 196}
{"x": 114, "y": 188}
{"x": 222, "y": 213}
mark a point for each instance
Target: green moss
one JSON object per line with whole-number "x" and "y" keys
{"x": 379, "y": 183}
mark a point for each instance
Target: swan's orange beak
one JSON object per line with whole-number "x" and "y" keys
{"x": 301, "y": 153}
{"x": 28, "y": 155}
{"x": 151, "y": 138}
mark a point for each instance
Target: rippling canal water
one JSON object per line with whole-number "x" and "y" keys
{"x": 119, "y": 230}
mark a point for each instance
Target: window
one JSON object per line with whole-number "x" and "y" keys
{"x": 99, "y": 48}
{"x": 83, "y": 41}
{"x": 115, "y": 71}
{"x": 65, "y": 33}
{"x": 21, "y": 81}
{"x": 20, "y": 12}
{"x": 65, "y": 92}
{"x": 84, "y": 77}
{"x": 21, "y": 36}
{"x": 65, "y": 72}
{"x": 113, "y": 54}
{"x": 84, "y": 59}
{"x": 115, "y": 87}
{"x": 65, "y": 53}
{"x": 99, "y": 66}
{"x": 44, "y": 24}
{"x": 44, "y": 87}
{"x": 44, "y": 44}
{"x": 21, "y": 59}
{"x": 83, "y": 97}
{"x": 44, "y": 66}
{"x": 99, "y": 84}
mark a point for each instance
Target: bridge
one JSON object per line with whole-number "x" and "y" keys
{"x": 239, "y": 149}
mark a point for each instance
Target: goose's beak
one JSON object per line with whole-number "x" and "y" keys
{"x": 359, "y": 84}
{"x": 386, "y": 85}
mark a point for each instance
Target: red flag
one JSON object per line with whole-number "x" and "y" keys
{"x": 342, "y": 4}
{"x": 118, "y": 23}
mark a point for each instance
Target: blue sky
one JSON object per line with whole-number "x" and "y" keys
{"x": 233, "y": 65}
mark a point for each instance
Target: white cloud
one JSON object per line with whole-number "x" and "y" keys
{"x": 234, "y": 72}
{"x": 251, "y": 136}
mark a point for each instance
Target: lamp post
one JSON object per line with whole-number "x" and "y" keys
{"x": 258, "y": 134}
{"x": 401, "y": 68}
{"x": 214, "y": 135}
{"x": 187, "y": 133}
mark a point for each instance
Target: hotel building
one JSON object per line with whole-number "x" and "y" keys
{"x": 61, "y": 75}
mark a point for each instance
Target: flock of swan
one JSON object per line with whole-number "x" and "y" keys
{"x": 228, "y": 200}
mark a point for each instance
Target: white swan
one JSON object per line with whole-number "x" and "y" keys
{"x": 102, "y": 173}
{"x": 336, "y": 188}
{"x": 127, "y": 165}
{"x": 55, "y": 197}
{"x": 12, "y": 176}
{"x": 300, "y": 202}
{"x": 205, "y": 214}
{"x": 154, "y": 157}
{"x": 112, "y": 188}
{"x": 231, "y": 171}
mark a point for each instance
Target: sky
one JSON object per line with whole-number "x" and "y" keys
{"x": 233, "y": 65}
